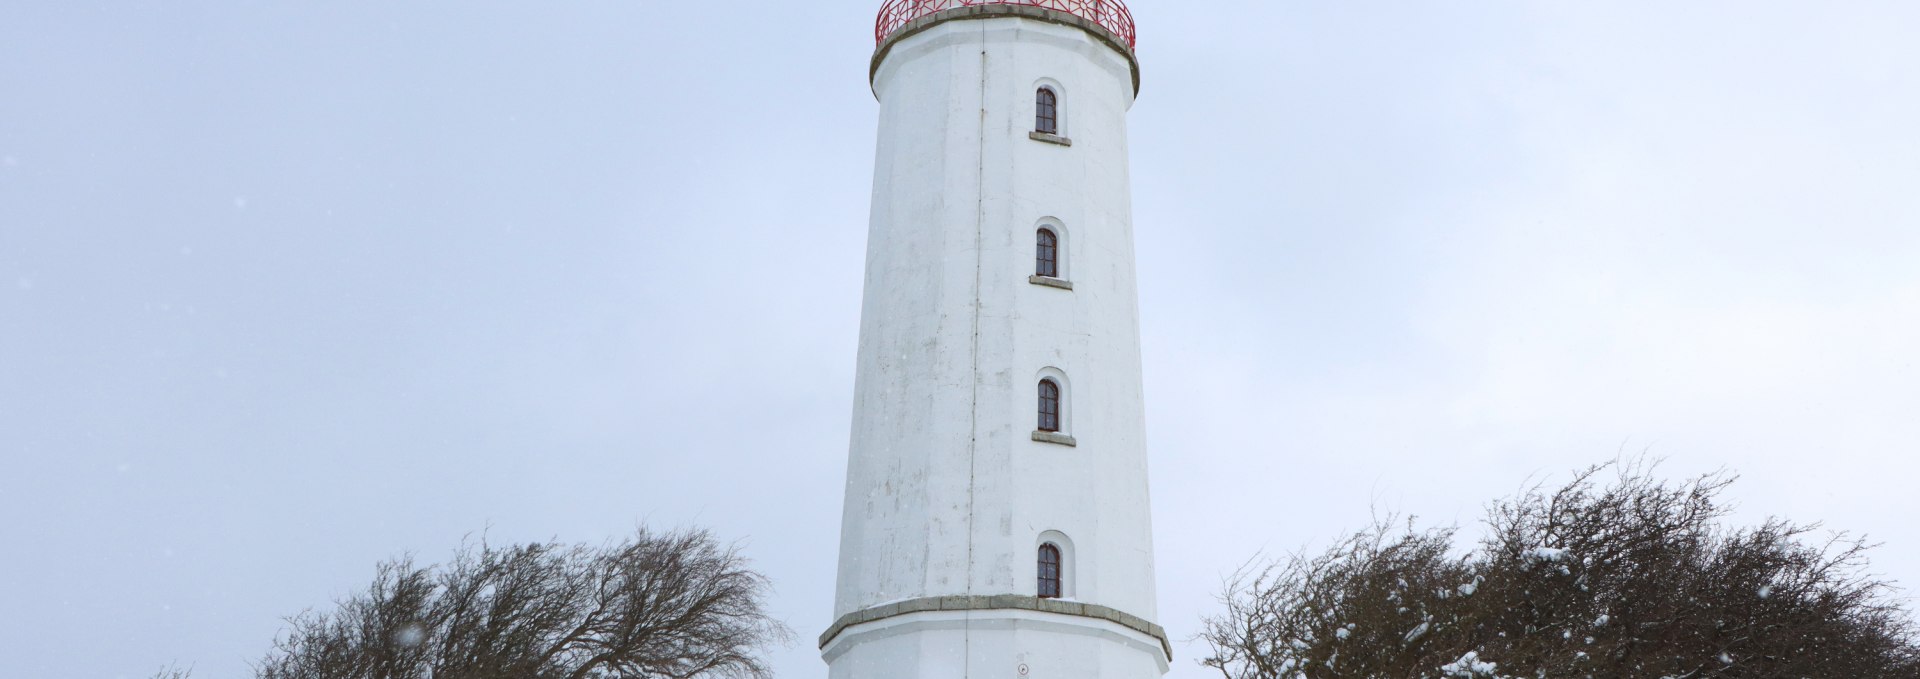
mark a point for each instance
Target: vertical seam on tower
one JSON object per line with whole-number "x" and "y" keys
{"x": 973, "y": 411}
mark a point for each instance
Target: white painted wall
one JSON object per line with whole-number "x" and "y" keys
{"x": 946, "y": 492}
{"x": 976, "y": 645}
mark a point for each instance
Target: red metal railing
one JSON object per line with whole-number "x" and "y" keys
{"x": 1109, "y": 14}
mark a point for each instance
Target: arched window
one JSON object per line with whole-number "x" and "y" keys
{"x": 1046, "y": 108}
{"x": 1049, "y": 405}
{"x": 1049, "y": 571}
{"x": 1046, "y": 258}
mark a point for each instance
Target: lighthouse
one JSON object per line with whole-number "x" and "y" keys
{"x": 996, "y": 520}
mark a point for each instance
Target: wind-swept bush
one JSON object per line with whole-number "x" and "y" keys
{"x": 1636, "y": 577}
{"x": 656, "y": 605}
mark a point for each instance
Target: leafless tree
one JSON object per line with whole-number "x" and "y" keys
{"x": 173, "y": 672}
{"x": 676, "y": 605}
{"x": 1635, "y": 577}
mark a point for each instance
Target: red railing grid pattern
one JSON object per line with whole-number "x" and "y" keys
{"x": 1109, "y": 14}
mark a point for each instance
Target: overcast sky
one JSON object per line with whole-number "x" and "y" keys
{"x": 289, "y": 288}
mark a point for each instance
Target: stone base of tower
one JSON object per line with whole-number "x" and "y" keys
{"x": 995, "y": 645}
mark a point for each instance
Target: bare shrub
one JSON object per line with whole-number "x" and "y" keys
{"x": 1636, "y": 577}
{"x": 656, "y": 605}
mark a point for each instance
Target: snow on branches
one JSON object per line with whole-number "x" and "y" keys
{"x": 1631, "y": 577}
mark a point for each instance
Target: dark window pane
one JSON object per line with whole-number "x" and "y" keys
{"x": 1047, "y": 115}
{"x": 1049, "y": 406}
{"x": 1047, "y": 254}
{"x": 1049, "y": 576}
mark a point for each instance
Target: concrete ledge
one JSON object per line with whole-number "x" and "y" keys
{"x": 1055, "y": 437}
{"x": 996, "y": 11}
{"x": 1049, "y": 138}
{"x": 1050, "y": 282}
{"x": 999, "y": 602}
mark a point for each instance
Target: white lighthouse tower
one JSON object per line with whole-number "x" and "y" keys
{"x": 996, "y": 520}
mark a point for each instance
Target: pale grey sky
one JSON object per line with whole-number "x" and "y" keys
{"x": 290, "y": 288}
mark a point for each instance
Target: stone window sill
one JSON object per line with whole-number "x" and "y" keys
{"x": 1050, "y": 282}
{"x": 1055, "y": 437}
{"x": 1050, "y": 138}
